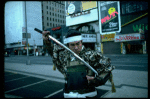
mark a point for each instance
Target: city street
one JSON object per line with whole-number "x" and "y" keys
{"x": 39, "y": 80}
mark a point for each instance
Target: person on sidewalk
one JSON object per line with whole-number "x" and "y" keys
{"x": 80, "y": 81}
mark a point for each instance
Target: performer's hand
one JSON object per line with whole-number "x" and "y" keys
{"x": 89, "y": 78}
{"x": 44, "y": 35}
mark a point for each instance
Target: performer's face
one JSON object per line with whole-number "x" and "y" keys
{"x": 76, "y": 46}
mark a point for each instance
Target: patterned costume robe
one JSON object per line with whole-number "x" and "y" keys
{"x": 61, "y": 57}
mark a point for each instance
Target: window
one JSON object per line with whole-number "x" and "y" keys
{"x": 47, "y": 24}
{"x": 133, "y": 6}
{"x": 52, "y": 8}
{"x": 47, "y": 18}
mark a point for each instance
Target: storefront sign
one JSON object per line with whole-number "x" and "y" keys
{"x": 108, "y": 37}
{"x": 128, "y": 37}
{"x": 89, "y": 38}
{"x": 109, "y": 13}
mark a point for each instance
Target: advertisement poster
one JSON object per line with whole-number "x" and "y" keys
{"x": 74, "y": 7}
{"x": 86, "y": 5}
{"x": 109, "y": 13}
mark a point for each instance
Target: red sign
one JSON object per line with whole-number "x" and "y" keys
{"x": 57, "y": 28}
{"x": 128, "y": 37}
{"x": 108, "y": 18}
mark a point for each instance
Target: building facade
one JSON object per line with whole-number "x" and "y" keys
{"x": 22, "y": 17}
{"x": 53, "y": 14}
{"x": 134, "y": 17}
{"x": 83, "y": 16}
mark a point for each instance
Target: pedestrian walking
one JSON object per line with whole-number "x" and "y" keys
{"x": 80, "y": 81}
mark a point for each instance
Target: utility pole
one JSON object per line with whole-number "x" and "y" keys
{"x": 34, "y": 47}
{"x": 27, "y": 61}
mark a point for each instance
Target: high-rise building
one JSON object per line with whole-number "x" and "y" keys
{"x": 53, "y": 14}
{"x": 22, "y": 17}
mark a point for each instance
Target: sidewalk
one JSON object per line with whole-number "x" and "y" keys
{"x": 41, "y": 71}
{"x": 128, "y": 83}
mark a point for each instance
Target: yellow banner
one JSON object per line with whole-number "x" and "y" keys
{"x": 107, "y": 37}
{"x": 89, "y": 5}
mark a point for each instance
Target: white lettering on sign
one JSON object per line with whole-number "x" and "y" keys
{"x": 89, "y": 37}
{"x": 112, "y": 24}
{"x": 106, "y": 3}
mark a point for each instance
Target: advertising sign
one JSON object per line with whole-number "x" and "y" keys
{"x": 78, "y": 12}
{"x": 128, "y": 37}
{"x": 109, "y": 17}
{"x": 86, "y": 5}
{"x": 108, "y": 37}
{"x": 74, "y": 7}
{"x": 89, "y": 38}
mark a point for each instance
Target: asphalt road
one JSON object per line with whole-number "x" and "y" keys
{"x": 137, "y": 62}
{"x": 19, "y": 85}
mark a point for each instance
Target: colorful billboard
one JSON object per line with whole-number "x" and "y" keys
{"x": 109, "y": 15}
{"x": 74, "y": 7}
{"x": 78, "y": 12}
{"x": 86, "y": 5}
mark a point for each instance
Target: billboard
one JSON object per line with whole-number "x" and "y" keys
{"x": 73, "y": 7}
{"x": 86, "y": 5}
{"x": 109, "y": 17}
{"x": 78, "y": 12}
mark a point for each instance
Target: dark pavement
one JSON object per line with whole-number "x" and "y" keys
{"x": 26, "y": 83}
{"x": 25, "y": 86}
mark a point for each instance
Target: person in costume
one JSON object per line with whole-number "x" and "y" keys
{"x": 80, "y": 81}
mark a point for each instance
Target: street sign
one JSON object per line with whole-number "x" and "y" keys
{"x": 109, "y": 17}
{"x": 26, "y": 35}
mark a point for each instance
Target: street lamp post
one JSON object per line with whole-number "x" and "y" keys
{"x": 27, "y": 61}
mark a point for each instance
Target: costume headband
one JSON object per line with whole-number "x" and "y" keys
{"x": 72, "y": 39}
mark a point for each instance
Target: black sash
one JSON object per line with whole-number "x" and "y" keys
{"x": 76, "y": 78}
